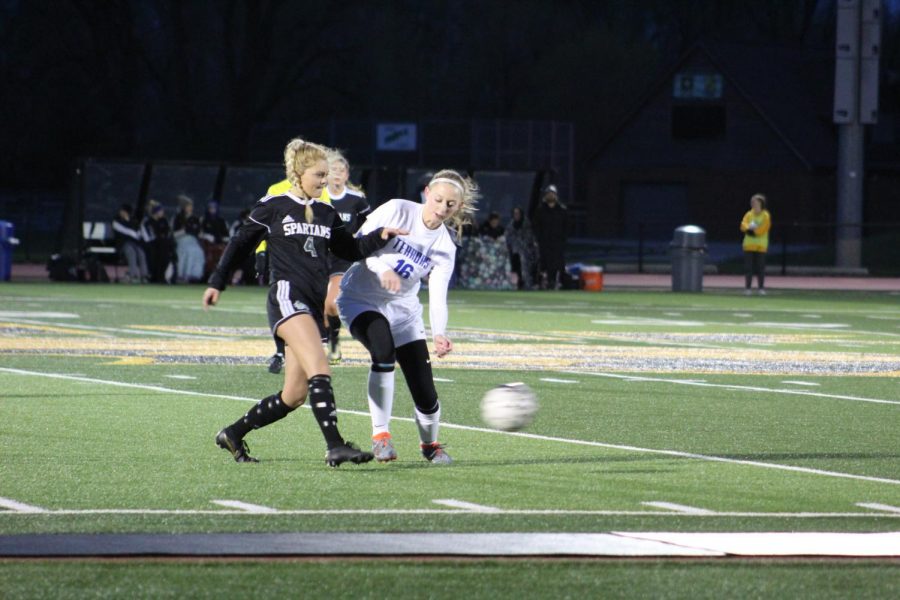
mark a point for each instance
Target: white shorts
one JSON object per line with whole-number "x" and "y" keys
{"x": 404, "y": 315}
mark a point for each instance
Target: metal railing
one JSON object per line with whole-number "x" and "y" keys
{"x": 797, "y": 246}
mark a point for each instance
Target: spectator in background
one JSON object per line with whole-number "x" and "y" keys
{"x": 186, "y": 226}
{"x": 522, "y": 249}
{"x": 491, "y": 227}
{"x": 550, "y": 233}
{"x": 213, "y": 235}
{"x": 213, "y": 227}
{"x": 128, "y": 244}
{"x": 755, "y": 225}
{"x": 160, "y": 245}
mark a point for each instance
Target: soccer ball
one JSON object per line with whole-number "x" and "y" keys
{"x": 509, "y": 407}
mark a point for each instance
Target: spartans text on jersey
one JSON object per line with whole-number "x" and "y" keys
{"x": 314, "y": 229}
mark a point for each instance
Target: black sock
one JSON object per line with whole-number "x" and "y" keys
{"x": 279, "y": 346}
{"x": 321, "y": 400}
{"x": 267, "y": 411}
{"x": 334, "y": 328}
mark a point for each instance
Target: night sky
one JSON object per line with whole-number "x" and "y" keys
{"x": 199, "y": 79}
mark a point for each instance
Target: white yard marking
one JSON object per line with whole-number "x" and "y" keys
{"x": 878, "y": 506}
{"x": 808, "y": 383}
{"x": 674, "y": 453}
{"x": 20, "y": 507}
{"x": 731, "y": 386}
{"x": 466, "y": 505}
{"x": 181, "y": 377}
{"x": 813, "y": 316}
{"x": 680, "y": 508}
{"x": 552, "y": 380}
{"x": 442, "y": 380}
{"x": 245, "y": 506}
{"x": 11, "y": 314}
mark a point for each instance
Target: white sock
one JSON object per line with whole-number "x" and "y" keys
{"x": 428, "y": 425}
{"x": 381, "y": 400}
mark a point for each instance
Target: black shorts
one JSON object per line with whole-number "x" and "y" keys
{"x": 337, "y": 266}
{"x": 286, "y": 300}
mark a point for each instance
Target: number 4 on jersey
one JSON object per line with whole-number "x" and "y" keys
{"x": 310, "y": 247}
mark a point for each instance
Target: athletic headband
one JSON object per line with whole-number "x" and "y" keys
{"x": 455, "y": 184}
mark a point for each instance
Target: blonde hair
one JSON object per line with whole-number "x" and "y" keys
{"x": 469, "y": 198}
{"x": 761, "y": 198}
{"x": 299, "y": 155}
{"x": 336, "y": 156}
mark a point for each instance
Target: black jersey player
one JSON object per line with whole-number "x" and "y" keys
{"x": 300, "y": 231}
{"x": 351, "y": 206}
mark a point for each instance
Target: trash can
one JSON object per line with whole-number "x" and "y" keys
{"x": 7, "y": 241}
{"x": 688, "y": 251}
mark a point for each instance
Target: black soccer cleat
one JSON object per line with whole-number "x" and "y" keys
{"x": 276, "y": 363}
{"x": 348, "y": 451}
{"x": 237, "y": 447}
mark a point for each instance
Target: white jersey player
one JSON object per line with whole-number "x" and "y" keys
{"x": 379, "y": 302}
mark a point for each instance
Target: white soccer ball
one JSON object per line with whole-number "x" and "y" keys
{"x": 509, "y": 407}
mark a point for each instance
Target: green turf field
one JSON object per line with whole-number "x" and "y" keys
{"x": 659, "y": 412}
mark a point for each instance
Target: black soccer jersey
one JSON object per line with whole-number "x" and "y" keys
{"x": 351, "y": 207}
{"x": 298, "y": 250}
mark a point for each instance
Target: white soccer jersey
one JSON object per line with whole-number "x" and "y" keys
{"x": 411, "y": 256}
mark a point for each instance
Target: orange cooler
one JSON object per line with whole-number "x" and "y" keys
{"x": 592, "y": 278}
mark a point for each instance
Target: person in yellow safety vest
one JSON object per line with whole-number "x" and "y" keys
{"x": 276, "y": 361}
{"x": 756, "y": 225}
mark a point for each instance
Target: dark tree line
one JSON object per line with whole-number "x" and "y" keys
{"x": 192, "y": 79}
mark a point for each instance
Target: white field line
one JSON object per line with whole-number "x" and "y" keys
{"x": 680, "y": 508}
{"x": 9, "y": 314}
{"x": 729, "y": 386}
{"x": 466, "y": 505}
{"x": 807, "y": 383}
{"x": 878, "y": 506}
{"x": 139, "y": 386}
{"x": 119, "y": 330}
{"x": 533, "y": 436}
{"x": 554, "y": 380}
{"x": 245, "y": 506}
{"x": 434, "y": 511}
{"x": 19, "y": 506}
